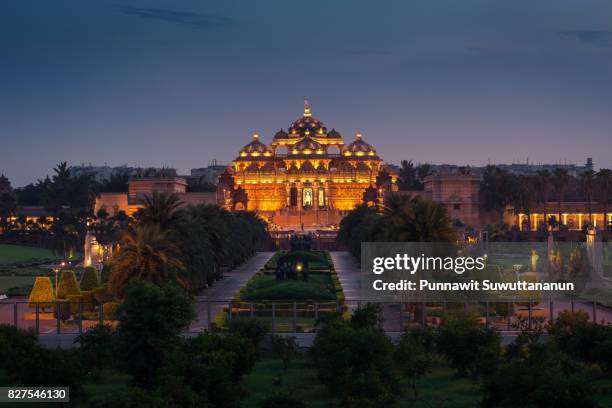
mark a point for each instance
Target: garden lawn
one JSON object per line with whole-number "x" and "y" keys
{"x": 12, "y": 254}
{"x": 319, "y": 287}
{"x": 7, "y": 282}
{"x": 440, "y": 388}
{"x": 323, "y": 264}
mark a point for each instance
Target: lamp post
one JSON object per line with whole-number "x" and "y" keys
{"x": 56, "y": 270}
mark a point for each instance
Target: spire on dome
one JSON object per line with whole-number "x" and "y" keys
{"x": 306, "y": 108}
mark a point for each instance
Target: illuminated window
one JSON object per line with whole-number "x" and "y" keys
{"x": 307, "y": 197}
{"x": 321, "y": 197}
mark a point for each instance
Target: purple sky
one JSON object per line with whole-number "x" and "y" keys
{"x": 180, "y": 83}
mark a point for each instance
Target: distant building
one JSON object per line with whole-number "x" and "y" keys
{"x": 526, "y": 169}
{"x": 144, "y": 183}
{"x": 209, "y": 174}
{"x": 101, "y": 173}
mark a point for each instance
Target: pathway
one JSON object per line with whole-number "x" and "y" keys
{"x": 349, "y": 274}
{"x": 221, "y": 293}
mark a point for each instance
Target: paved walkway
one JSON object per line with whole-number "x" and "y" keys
{"x": 215, "y": 298}
{"x": 349, "y": 273}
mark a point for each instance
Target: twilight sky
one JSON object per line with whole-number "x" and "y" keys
{"x": 178, "y": 83}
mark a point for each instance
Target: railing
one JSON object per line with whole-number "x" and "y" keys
{"x": 212, "y": 315}
{"x": 283, "y": 317}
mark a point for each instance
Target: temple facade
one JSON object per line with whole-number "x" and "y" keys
{"x": 307, "y": 177}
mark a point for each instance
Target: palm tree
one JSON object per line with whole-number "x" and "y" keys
{"x": 560, "y": 181}
{"x": 495, "y": 190}
{"x": 604, "y": 185}
{"x": 413, "y": 219}
{"x": 146, "y": 253}
{"x": 587, "y": 184}
{"x": 159, "y": 208}
{"x": 524, "y": 196}
{"x": 544, "y": 187}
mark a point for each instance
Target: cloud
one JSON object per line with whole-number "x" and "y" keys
{"x": 590, "y": 37}
{"x": 184, "y": 18}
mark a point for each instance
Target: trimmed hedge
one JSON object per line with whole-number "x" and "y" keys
{"x": 102, "y": 294}
{"x": 42, "y": 293}
{"x": 68, "y": 285}
{"x": 88, "y": 299}
{"x": 63, "y": 306}
{"x": 90, "y": 278}
{"x": 109, "y": 309}
{"x": 74, "y": 300}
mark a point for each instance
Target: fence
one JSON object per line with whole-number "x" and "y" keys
{"x": 288, "y": 317}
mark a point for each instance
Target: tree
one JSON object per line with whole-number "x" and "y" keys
{"x": 8, "y": 199}
{"x": 539, "y": 376}
{"x": 543, "y": 181}
{"x": 603, "y": 180}
{"x": 97, "y": 348}
{"x": 495, "y": 189}
{"x": 356, "y": 363}
{"x": 525, "y": 195}
{"x": 285, "y": 348}
{"x": 471, "y": 348}
{"x": 415, "y": 355}
{"x": 146, "y": 253}
{"x": 413, "y": 219}
{"x": 560, "y": 181}
{"x": 151, "y": 320}
{"x": 159, "y": 208}
{"x": 407, "y": 177}
{"x": 587, "y": 185}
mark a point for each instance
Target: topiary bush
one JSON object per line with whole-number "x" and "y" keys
{"x": 68, "y": 285}
{"x": 42, "y": 293}
{"x": 109, "y": 309}
{"x": 88, "y": 300}
{"x": 62, "y": 309}
{"x": 102, "y": 294}
{"x": 75, "y": 301}
{"x": 90, "y": 278}
{"x": 106, "y": 271}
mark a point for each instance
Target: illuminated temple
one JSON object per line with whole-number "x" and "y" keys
{"x": 307, "y": 177}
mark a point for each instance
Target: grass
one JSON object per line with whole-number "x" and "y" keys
{"x": 8, "y": 282}
{"x": 266, "y": 287}
{"x": 440, "y": 388}
{"x": 323, "y": 264}
{"x": 12, "y": 254}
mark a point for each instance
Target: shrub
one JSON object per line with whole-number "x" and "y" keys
{"x": 343, "y": 355}
{"x": 281, "y": 399}
{"x": 106, "y": 271}
{"x": 75, "y": 301}
{"x": 132, "y": 397}
{"x": 470, "y": 347}
{"x": 242, "y": 352}
{"x": 285, "y": 347}
{"x": 250, "y": 328}
{"x": 42, "y": 293}
{"x": 62, "y": 309}
{"x": 88, "y": 300}
{"x": 90, "y": 278}
{"x": 68, "y": 285}
{"x": 541, "y": 376}
{"x": 198, "y": 378}
{"x": 151, "y": 320}
{"x": 368, "y": 316}
{"x": 97, "y": 348}
{"x": 109, "y": 310}
{"x": 26, "y": 363}
{"x": 102, "y": 294}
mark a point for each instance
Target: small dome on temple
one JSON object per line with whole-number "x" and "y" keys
{"x": 307, "y": 145}
{"x": 359, "y": 147}
{"x": 256, "y": 146}
{"x": 281, "y": 134}
{"x": 334, "y": 133}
